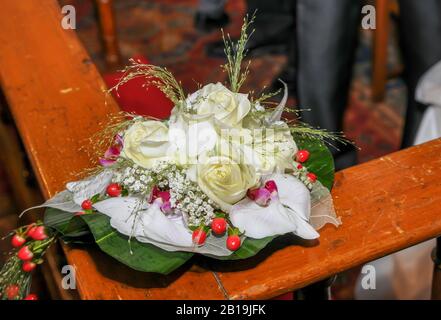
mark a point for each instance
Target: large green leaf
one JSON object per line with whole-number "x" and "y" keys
{"x": 320, "y": 161}
{"x": 249, "y": 248}
{"x": 139, "y": 256}
{"x": 66, "y": 223}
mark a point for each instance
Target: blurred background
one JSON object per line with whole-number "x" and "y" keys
{"x": 333, "y": 63}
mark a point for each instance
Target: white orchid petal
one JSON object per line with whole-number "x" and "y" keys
{"x": 87, "y": 188}
{"x": 259, "y": 222}
{"x": 157, "y": 227}
{"x": 293, "y": 194}
{"x": 119, "y": 208}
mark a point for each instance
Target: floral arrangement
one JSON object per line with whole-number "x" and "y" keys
{"x": 222, "y": 177}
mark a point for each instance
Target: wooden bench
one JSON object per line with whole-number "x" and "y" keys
{"x": 55, "y": 95}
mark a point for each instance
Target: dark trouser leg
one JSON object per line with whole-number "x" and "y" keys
{"x": 436, "y": 281}
{"x": 327, "y": 33}
{"x": 317, "y": 291}
{"x": 326, "y": 40}
{"x": 274, "y": 25}
{"x": 420, "y": 37}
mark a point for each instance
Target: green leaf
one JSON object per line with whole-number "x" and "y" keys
{"x": 144, "y": 257}
{"x": 95, "y": 198}
{"x": 66, "y": 223}
{"x": 320, "y": 160}
{"x": 249, "y": 248}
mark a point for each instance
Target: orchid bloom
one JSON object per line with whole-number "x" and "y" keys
{"x": 113, "y": 152}
{"x": 262, "y": 196}
{"x": 163, "y": 198}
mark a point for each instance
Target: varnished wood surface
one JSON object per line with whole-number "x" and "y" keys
{"x": 55, "y": 95}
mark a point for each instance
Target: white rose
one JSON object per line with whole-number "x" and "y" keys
{"x": 190, "y": 137}
{"x": 146, "y": 143}
{"x": 228, "y": 107}
{"x": 268, "y": 150}
{"x": 276, "y": 150}
{"x": 225, "y": 181}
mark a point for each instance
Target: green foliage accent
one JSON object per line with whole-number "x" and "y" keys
{"x": 249, "y": 248}
{"x": 139, "y": 256}
{"x": 305, "y": 131}
{"x": 320, "y": 160}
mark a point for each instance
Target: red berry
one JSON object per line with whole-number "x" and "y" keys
{"x": 31, "y": 296}
{"x": 219, "y": 226}
{"x": 12, "y": 291}
{"x": 17, "y": 241}
{"x": 114, "y": 190}
{"x": 31, "y": 229}
{"x": 28, "y": 266}
{"x": 39, "y": 233}
{"x": 302, "y": 155}
{"x": 199, "y": 236}
{"x": 299, "y": 166}
{"x": 312, "y": 177}
{"x": 86, "y": 205}
{"x": 25, "y": 253}
{"x": 233, "y": 242}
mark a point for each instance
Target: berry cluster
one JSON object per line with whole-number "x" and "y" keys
{"x": 218, "y": 227}
{"x": 302, "y": 173}
{"x": 30, "y": 244}
{"x": 112, "y": 190}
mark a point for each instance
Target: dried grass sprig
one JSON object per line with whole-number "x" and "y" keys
{"x": 265, "y": 96}
{"x": 301, "y": 129}
{"x": 96, "y": 145}
{"x": 236, "y": 52}
{"x": 157, "y": 76}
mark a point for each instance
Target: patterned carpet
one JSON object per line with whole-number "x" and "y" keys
{"x": 163, "y": 31}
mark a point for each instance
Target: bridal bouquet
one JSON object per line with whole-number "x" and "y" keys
{"x": 222, "y": 177}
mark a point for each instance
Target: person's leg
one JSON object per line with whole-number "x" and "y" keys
{"x": 273, "y": 25}
{"x": 326, "y": 39}
{"x": 327, "y": 33}
{"x": 420, "y": 37}
{"x": 212, "y": 8}
{"x": 211, "y": 15}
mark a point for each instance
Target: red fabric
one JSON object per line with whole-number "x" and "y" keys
{"x": 136, "y": 98}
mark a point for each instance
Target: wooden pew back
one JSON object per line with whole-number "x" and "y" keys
{"x": 56, "y": 97}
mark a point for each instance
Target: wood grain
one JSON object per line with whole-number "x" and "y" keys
{"x": 55, "y": 95}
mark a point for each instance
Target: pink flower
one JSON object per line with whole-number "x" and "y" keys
{"x": 164, "y": 195}
{"x": 260, "y": 195}
{"x": 158, "y": 194}
{"x": 113, "y": 152}
{"x": 271, "y": 186}
{"x": 166, "y": 207}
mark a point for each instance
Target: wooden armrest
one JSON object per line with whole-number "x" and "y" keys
{"x": 56, "y": 97}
